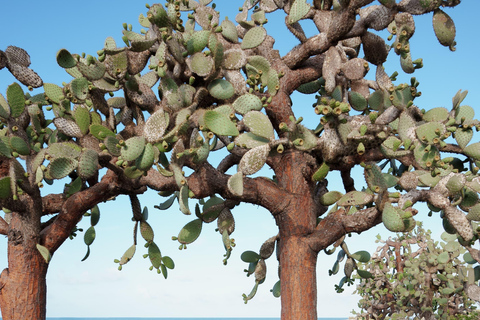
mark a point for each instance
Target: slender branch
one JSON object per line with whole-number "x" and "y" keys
{"x": 73, "y": 209}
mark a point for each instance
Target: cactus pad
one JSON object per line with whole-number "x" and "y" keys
{"x": 246, "y": 103}
{"x": 133, "y": 148}
{"x": 235, "y": 184}
{"x": 254, "y": 159}
{"x": 221, "y": 89}
{"x": 16, "y": 99}
{"x": 219, "y": 123}
{"x": 60, "y": 167}
{"x": 190, "y": 232}
{"x": 258, "y": 124}
{"x": 254, "y": 37}
{"x": 65, "y": 59}
{"x": 68, "y": 127}
{"x": 444, "y": 28}
{"x": 88, "y": 164}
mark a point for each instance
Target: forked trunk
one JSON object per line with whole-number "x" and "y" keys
{"x": 23, "y": 284}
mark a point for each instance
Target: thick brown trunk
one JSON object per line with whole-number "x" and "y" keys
{"x": 298, "y": 279}
{"x": 297, "y": 221}
{"x": 23, "y": 284}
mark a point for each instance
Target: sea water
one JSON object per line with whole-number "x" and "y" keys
{"x": 205, "y": 318}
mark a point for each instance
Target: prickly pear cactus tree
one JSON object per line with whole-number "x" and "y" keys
{"x": 151, "y": 112}
{"x": 412, "y": 275}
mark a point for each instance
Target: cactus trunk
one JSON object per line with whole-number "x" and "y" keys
{"x": 297, "y": 260}
{"x": 23, "y": 288}
{"x": 298, "y": 279}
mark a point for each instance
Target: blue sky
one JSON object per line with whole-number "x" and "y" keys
{"x": 200, "y": 285}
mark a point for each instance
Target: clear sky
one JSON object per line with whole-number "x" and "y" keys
{"x": 200, "y": 285}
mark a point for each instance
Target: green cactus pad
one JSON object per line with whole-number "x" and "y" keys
{"x": 458, "y": 98}
{"x": 202, "y": 153}
{"x": 89, "y": 236}
{"x": 444, "y": 28}
{"x": 456, "y": 183}
{"x": 249, "y": 140}
{"x": 201, "y": 64}
{"x": 473, "y": 151}
{"x": 258, "y": 124}
{"x": 62, "y": 149}
{"x": 424, "y": 156}
{"x": 5, "y": 190}
{"x": 19, "y": 145}
{"x": 60, "y": 167}
{"x": 321, "y": 172}
{"x": 375, "y": 178}
{"x": 298, "y": 10}
{"x": 94, "y": 71}
{"x": 190, "y": 232}
{"x": 250, "y": 256}
{"x": 463, "y": 137}
{"x": 357, "y": 101}
{"x": 53, "y": 92}
{"x": 146, "y": 231}
{"x": 219, "y": 123}
{"x": 158, "y": 15}
{"x": 330, "y": 198}
{"x": 376, "y": 100}
{"x": 100, "y": 132}
{"x": 65, "y": 59}
{"x": 128, "y": 255}
{"x": 133, "y": 148}
{"x": 82, "y": 118}
{"x": 221, "y": 89}
{"x": 405, "y": 123}
{"x": 4, "y": 107}
{"x": 246, "y": 103}
{"x": 253, "y": 38}
{"x": 310, "y": 87}
{"x": 16, "y": 99}
{"x": 465, "y": 113}
{"x": 392, "y": 218}
{"x": 427, "y": 132}
{"x": 145, "y": 161}
{"x": 229, "y": 31}
{"x": 183, "y": 200}
{"x": 216, "y": 48}
{"x": 5, "y": 148}
{"x": 355, "y": 198}
{"x": 474, "y": 213}
{"x": 112, "y": 145}
{"x": 235, "y": 184}
{"x": 154, "y": 255}
{"x": 436, "y": 114}
{"x": 198, "y": 41}
{"x": 254, "y": 159}
{"x": 88, "y": 164}
{"x": 361, "y": 256}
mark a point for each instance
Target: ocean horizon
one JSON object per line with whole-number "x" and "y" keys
{"x": 173, "y": 318}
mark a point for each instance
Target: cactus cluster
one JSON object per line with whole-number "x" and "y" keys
{"x": 429, "y": 279}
